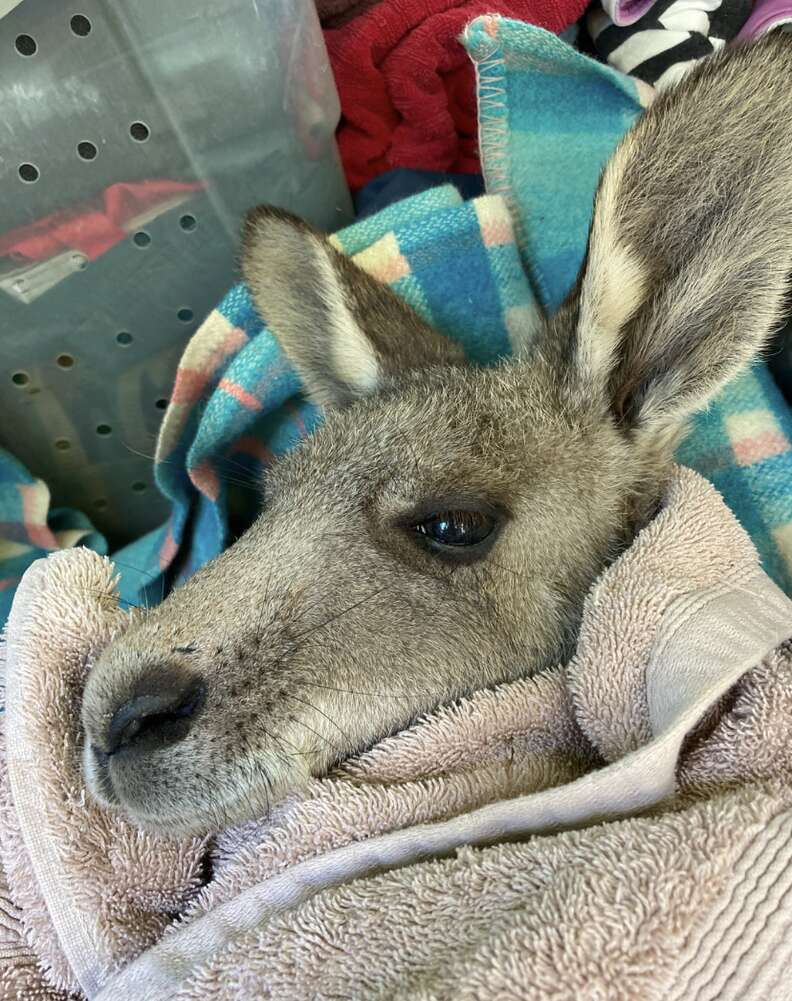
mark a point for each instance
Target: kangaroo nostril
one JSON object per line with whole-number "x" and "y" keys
{"x": 163, "y": 716}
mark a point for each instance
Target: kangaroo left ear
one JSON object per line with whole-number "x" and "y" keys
{"x": 691, "y": 242}
{"x": 345, "y": 333}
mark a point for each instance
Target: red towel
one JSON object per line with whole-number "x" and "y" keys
{"x": 407, "y": 86}
{"x": 334, "y": 13}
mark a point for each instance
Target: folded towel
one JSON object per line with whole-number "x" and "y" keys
{"x": 67, "y": 905}
{"x": 407, "y": 88}
{"x": 673, "y": 713}
{"x": 549, "y": 119}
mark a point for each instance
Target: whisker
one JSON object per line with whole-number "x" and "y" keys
{"x": 321, "y": 713}
{"x": 338, "y": 615}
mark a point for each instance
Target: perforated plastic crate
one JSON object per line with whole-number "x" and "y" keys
{"x": 133, "y": 137}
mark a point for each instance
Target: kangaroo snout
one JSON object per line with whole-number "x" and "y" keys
{"x": 137, "y": 709}
{"x": 160, "y": 715}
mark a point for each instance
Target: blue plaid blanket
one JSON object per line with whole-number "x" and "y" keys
{"x": 549, "y": 119}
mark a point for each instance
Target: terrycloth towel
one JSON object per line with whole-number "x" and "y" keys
{"x": 662, "y": 45}
{"x": 407, "y": 88}
{"x": 549, "y": 119}
{"x": 673, "y": 713}
{"x": 67, "y": 904}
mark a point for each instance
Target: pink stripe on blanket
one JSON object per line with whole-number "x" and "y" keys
{"x": 189, "y": 386}
{"x": 392, "y": 270}
{"x": 168, "y": 551}
{"x": 191, "y": 382}
{"x": 205, "y": 479}
{"x": 209, "y": 348}
{"x": 749, "y": 451}
{"x": 242, "y": 396}
{"x": 384, "y": 260}
{"x": 35, "y": 504}
{"x": 494, "y": 222}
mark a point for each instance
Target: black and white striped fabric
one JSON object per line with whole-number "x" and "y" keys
{"x": 662, "y": 45}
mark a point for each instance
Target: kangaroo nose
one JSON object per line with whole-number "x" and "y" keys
{"x": 159, "y": 716}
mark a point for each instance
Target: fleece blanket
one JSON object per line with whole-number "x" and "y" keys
{"x": 549, "y": 119}
{"x": 617, "y": 827}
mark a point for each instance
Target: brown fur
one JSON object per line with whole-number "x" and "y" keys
{"x": 326, "y": 625}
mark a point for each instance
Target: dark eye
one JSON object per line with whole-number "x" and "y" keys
{"x": 456, "y": 529}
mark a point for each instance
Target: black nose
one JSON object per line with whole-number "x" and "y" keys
{"x": 160, "y": 715}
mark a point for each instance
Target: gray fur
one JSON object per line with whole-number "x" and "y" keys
{"x": 326, "y": 626}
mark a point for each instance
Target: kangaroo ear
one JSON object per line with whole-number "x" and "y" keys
{"x": 691, "y": 242}
{"x": 345, "y": 333}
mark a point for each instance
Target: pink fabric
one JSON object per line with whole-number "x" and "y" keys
{"x": 624, "y": 12}
{"x": 766, "y": 15}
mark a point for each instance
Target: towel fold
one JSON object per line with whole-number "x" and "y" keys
{"x": 617, "y": 827}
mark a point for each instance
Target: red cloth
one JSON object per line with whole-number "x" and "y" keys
{"x": 334, "y": 13}
{"x": 407, "y": 86}
{"x": 91, "y": 228}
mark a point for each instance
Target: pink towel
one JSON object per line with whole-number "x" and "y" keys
{"x": 618, "y": 827}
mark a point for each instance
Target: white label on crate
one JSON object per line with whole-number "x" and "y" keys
{"x": 26, "y": 282}
{"x": 6, "y": 6}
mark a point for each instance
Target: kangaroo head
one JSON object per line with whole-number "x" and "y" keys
{"x": 439, "y": 532}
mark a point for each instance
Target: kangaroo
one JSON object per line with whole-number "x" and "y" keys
{"x": 440, "y": 530}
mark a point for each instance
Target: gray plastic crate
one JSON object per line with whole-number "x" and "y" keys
{"x": 133, "y": 137}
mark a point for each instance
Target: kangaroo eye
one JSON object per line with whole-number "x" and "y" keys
{"x": 455, "y": 529}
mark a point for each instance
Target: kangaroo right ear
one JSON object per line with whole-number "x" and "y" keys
{"x": 345, "y": 333}
{"x": 691, "y": 243}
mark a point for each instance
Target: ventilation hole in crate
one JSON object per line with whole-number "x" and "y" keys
{"x": 86, "y": 150}
{"x": 188, "y": 223}
{"x": 25, "y": 45}
{"x": 139, "y": 486}
{"x": 80, "y": 25}
{"x": 100, "y": 504}
{"x": 161, "y": 404}
{"x": 62, "y": 444}
{"x": 124, "y": 338}
{"x": 141, "y": 239}
{"x": 64, "y": 361}
{"x": 185, "y": 315}
{"x": 28, "y": 172}
{"x": 103, "y": 430}
{"x": 20, "y": 378}
{"x": 139, "y": 131}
